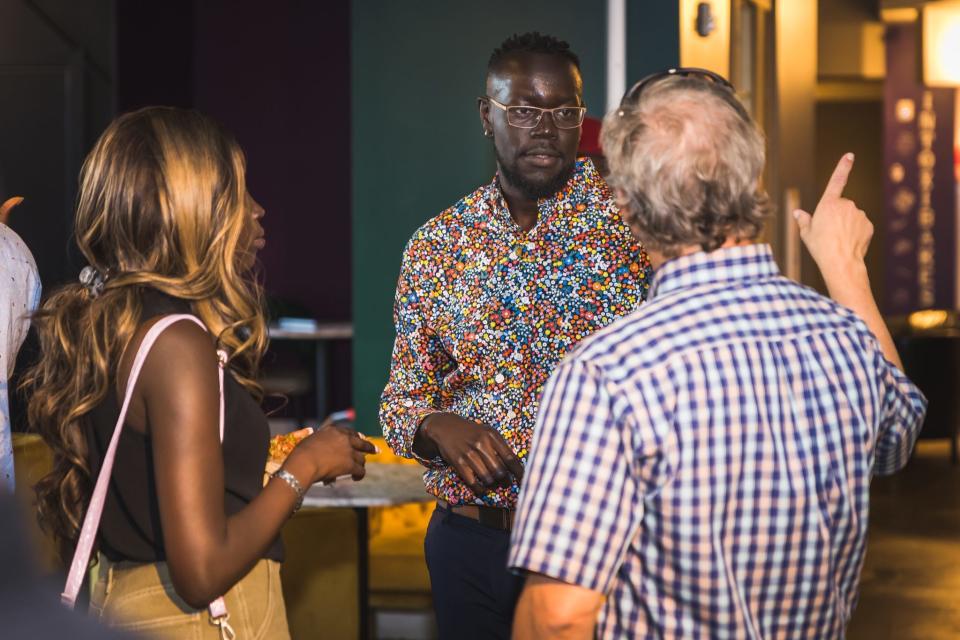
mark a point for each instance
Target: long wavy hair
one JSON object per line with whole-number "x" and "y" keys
{"x": 163, "y": 205}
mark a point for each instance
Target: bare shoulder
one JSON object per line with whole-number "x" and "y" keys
{"x": 184, "y": 338}
{"x": 183, "y": 351}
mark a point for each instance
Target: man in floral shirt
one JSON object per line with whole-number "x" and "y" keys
{"x": 492, "y": 294}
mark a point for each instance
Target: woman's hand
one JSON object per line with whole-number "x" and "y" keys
{"x": 330, "y": 452}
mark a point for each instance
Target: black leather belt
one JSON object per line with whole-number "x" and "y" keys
{"x": 493, "y": 517}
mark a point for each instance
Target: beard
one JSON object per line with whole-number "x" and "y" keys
{"x": 535, "y": 189}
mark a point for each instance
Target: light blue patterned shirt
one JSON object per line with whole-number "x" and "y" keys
{"x": 19, "y": 297}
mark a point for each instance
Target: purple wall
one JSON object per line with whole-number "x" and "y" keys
{"x": 276, "y": 74}
{"x": 154, "y": 54}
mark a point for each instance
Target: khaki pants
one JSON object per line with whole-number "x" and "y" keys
{"x": 141, "y": 598}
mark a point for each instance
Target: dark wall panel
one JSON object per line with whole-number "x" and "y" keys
{"x": 277, "y": 75}
{"x": 154, "y": 54}
{"x": 56, "y": 94}
{"x": 653, "y": 37}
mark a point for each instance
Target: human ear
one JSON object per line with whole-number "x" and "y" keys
{"x": 484, "y": 108}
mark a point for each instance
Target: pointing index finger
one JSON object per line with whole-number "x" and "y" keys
{"x": 839, "y": 178}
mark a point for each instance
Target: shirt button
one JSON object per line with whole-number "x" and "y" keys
{"x": 531, "y": 246}
{"x": 408, "y": 402}
{"x": 499, "y": 379}
{"x": 511, "y": 414}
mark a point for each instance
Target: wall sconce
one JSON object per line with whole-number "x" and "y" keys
{"x": 941, "y": 44}
{"x": 705, "y": 22}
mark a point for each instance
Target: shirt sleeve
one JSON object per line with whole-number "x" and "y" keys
{"x": 582, "y": 497}
{"x": 903, "y": 408}
{"x": 416, "y": 369}
{"x": 19, "y": 297}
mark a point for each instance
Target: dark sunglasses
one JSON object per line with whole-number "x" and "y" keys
{"x": 632, "y": 96}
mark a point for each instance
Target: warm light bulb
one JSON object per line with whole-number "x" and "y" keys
{"x": 927, "y": 319}
{"x": 941, "y": 44}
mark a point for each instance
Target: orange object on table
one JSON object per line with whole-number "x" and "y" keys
{"x": 282, "y": 446}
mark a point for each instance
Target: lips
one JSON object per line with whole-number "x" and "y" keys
{"x": 260, "y": 242}
{"x": 542, "y": 157}
{"x": 542, "y": 151}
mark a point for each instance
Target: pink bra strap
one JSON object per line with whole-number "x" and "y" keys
{"x": 91, "y": 521}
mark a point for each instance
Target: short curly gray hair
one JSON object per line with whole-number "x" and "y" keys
{"x": 689, "y": 165}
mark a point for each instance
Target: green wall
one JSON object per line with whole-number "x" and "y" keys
{"x": 417, "y": 69}
{"x": 653, "y": 37}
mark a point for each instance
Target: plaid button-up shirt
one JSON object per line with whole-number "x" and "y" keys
{"x": 705, "y": 462}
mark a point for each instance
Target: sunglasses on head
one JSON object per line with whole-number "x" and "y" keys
{"x": 632, "y": 96}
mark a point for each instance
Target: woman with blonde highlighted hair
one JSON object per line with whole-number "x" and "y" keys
{"x": 168, "y": 228}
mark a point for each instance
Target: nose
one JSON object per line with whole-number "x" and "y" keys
{"x": 546, "y": 128}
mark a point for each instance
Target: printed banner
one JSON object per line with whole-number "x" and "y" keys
{"x": 919, "y": 183}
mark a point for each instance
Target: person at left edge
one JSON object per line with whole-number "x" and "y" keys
{"x": 492, "y": 294}
{"x": 19, "y": 296}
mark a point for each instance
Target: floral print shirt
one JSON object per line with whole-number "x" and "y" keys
{"x": 484, "y": 311}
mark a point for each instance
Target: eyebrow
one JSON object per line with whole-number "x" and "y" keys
{"x": 530, "y": 99}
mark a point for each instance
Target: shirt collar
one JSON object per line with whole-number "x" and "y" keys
{"x": 752, "y": 262}
{"x": 585, "y": 176}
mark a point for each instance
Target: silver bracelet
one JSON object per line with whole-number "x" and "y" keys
{"x": 291, "y": 480}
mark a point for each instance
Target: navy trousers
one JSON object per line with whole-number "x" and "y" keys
{"x": 473, "y": 593}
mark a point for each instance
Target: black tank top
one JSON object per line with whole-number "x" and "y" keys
{"x": 130, "y": 528}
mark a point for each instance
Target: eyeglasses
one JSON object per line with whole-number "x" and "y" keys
{"x": 525, "y": 117}
{"x": 631, "y": 97}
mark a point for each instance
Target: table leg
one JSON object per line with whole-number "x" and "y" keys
{"x": 320, "y": 379}
{"x": 363, "y": 568}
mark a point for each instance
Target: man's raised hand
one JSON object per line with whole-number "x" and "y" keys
{"x": 837, "y": 236}
{"x": 838, "y": 233}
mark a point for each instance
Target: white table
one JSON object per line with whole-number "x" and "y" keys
{"x": 319, "y": 336}
{"x": 384, "y": 485}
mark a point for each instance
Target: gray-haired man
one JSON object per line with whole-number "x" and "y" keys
{"x": 701, "y": 468}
